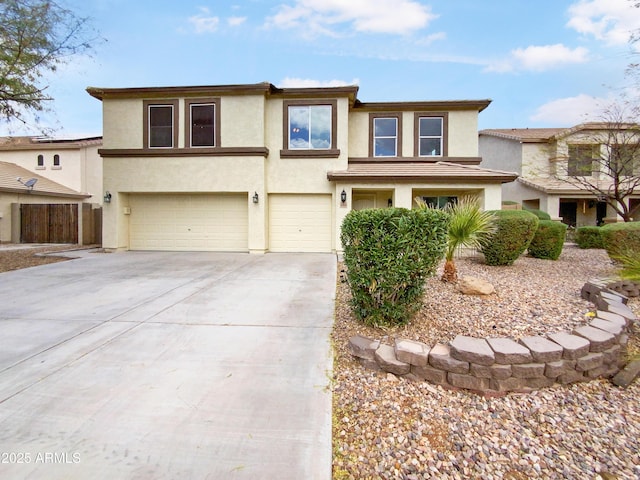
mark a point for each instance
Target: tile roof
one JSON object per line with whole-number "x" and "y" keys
{"x": 432, "y": 172}
{"x": 10, "y": 172}
{"x": 43, "y": 143}
{"x": 557, "y": 186}
{"x": 530, "y": 135}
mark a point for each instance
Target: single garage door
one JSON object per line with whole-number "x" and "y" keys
{"x": 300, "y": 223}
{"x": 188, "y": 222}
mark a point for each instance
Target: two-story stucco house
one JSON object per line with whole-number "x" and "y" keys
{"x": 40, "y": 174}
{"x": 258, "y": 168}
{"x": 543, "y": 157}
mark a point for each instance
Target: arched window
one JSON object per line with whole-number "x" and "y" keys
{"x": 41, "y": 160}
{"x": 56, "y": 160}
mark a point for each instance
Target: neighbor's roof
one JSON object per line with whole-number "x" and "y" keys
{"x": 10, "y": 172}
{"x": 428, "y": 172}
{"x": 45, "y": 143}
{"x": 556, "y": 186}
{"x": 525, "y": 135}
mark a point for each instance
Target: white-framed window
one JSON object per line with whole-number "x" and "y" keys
{"x": 385, "y": 137}
{"x": 160, "y": 124}
{"x": 430, "y": 136}
{"x": 310, "y": 127}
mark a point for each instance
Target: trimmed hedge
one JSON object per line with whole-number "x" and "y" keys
{"x": 548, "y": 240}
{"x": 621, "y": 238}
{"x": 514, "y": 231}
{"x": 539, "y": 213}
{"x": 389, "y": 253}
{"x": 589, "y": 237}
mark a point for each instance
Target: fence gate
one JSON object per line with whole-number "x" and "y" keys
{"x": 49, "y": 223}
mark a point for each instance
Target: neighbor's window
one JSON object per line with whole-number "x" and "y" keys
{"x": 580, "y": 162}
{"x": 161, "y": 124}
{"x": 202, "y": 122}
{"x": 440, "y": 201}
{"x": 623, "y": 160}
{"x": 430, "y": 136}
{"x": 310, "y": 127}
{"x": 40, "y": 161}
{"x": 385, "y": 137}
{"x": 56, "y": 160}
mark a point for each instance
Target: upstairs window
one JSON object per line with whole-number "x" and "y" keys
{"x": 430, "y": 136}
{"x": 40, "y": 161}
{"x": 310, "y": 127}
{"x": 386, "y": 134}
{"x": 56, "y": 160}
{"x": 624, "y": 160}
{"x": 161, "y": 124}
{"x": 203, "y": 118}
{"x": 580, "y": 162}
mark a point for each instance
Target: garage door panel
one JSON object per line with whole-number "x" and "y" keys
{"x": 300, "y": 223}
{"x": 189, "y": 222}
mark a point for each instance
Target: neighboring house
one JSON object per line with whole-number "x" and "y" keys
{"x": 67, "y": 174}
{"x": 258, "y": 168}
{"x": 542, "y": 157}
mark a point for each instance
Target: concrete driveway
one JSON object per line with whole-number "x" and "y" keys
{"x": 154, "y": 365}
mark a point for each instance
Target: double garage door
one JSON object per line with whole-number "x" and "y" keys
{"x": 189, "y": 222}
{"x": 219, "y": 222}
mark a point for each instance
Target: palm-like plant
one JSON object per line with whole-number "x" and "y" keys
{"x": 469, "y": 227}
{"x": 630, "y": 265}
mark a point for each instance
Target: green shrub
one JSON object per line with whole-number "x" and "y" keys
{"x": 389, "y": 253}
{"x": 548, "y": 240}
{"x": 514, "y": 231}
{"x": 621, "y": 238}
{"x": 539, "y": 213}
{"x": 589, "y": 237}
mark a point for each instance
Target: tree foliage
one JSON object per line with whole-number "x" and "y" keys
{"x": 36, "y": 37}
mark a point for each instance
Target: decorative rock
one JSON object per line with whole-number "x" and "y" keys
{"x": 574, "y": 346}
{"x": 475, "y": 286}
{"x": 541, "y": 382}
{"x": 623, "y": 311}
{"x": 508, "y": 352}
{"x": 440, "y": 357}
{"x": 363, "y": 347}
{"x": 599, "y": 339}
{"x": 628, "y": 374}
{"x": 601, "y": 371}
{"x": 470, "y": 349}
{"x": 430, "y": 374}
{"x": 410, "y": 351}
{"x": 589, "y": 362}
{"x": 612, "y": 354}
{"x": 542, "y": 350}
{"x": 528, "y": 370}
{"x": 615, "y": 296}
{"x": 386, "y": 358}
{"x": 570, "y": 377}
{"x": 507, "y": 384}
{"x": 468, "y": 381}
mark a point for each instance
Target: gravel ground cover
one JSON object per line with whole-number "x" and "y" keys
{"x": 15, "y": 257}
{"x": 389, "y": 427}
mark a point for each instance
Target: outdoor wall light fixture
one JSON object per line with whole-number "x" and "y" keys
{"x": 256, "y": 198}
{"x": 107, "y": 197}
{"x": 343, "y": 197}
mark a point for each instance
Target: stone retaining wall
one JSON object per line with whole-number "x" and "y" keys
{"x": 487, "y": 365}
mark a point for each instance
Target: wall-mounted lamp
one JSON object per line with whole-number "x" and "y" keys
{"x": 255, "y": 197}
{"x": 389, "y": 203}
{"x": 107, "y": 197}
{"x": 343, "y": 197}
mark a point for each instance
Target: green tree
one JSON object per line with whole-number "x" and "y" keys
{"x": 36, "y": 37}
{"x": 469, "y": 227}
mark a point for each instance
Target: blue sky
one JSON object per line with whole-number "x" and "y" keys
{"x": 544, "y": 63}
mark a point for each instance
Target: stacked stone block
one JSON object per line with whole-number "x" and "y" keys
{"x": 503, "y": 364}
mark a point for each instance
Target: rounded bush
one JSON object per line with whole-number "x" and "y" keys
{"x": 514, "y": 231}
{"x": 539, "y": 213}
{"x": 389, "y": 253}
{"x": 621, "y": 238}
{"x": 589, "y": 237}
{"x": 548, "y": 240}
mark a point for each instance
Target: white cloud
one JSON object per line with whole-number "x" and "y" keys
{"x": 204, "y": 22}
{"x": 292, "y": 82}
{"x": 539, "y": 58}
{"x": 235, "y": 21}
{"x": 371, "y": 16}
{"x": 571, "y": 110}
{"x": 611, "y": 21}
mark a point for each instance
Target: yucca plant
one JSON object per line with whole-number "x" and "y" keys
{"x": 630, "y": 265}
{"x": 469, "y": 227}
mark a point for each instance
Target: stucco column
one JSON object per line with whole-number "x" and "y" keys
{"x": 552, "y": 206}
{"x": 404, "y": 196}
{"x": 492, "y": 197}
{"x": 258, "y": 221}
{"x": 341, "y": 210}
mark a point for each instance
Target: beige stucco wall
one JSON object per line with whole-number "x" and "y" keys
{"x": 242, "y": 121}
{"x": 122, "y": 124}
